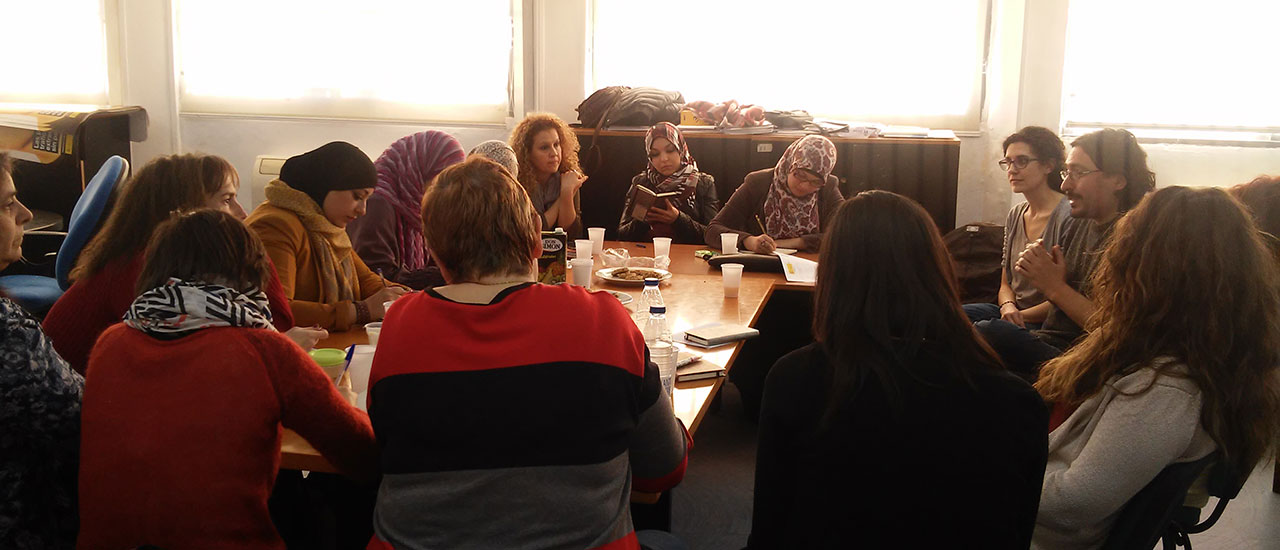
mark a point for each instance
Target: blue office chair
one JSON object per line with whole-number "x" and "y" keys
{"x": 37, "y": 293}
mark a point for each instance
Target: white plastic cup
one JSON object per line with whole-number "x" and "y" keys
{"x": 729, "y": 243}
{"x": 662, "y": 246}
{"x": 582, "y": 271}
{"x": 597, "y": 239}
{"x": 372, "y": 330}
{"x": 732, "y": 279}
{"x": 386, "y": 306}
{"x": 361, "y": 365}
{"x": 582, "y": 245}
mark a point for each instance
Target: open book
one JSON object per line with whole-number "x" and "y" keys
{"x": 644, "y": 198}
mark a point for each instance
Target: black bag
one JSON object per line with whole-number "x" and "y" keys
{"x": 789, "y": 120}
{"x": 626, "y": 107}
{"x": 592, "y": 109}
{"x": 976, "y": 253}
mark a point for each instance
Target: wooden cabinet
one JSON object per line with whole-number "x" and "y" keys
{"x": 923, "y": 169}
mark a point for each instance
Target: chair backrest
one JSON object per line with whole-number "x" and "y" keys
{"x": 85, "y": 215}
{"x": 1145, "y": 517}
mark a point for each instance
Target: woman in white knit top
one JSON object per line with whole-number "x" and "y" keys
{"x": 1180, "y": 360}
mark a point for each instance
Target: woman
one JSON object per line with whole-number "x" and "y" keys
{"x": 1186, "y": 331}
{"x": 184, "y": 400}
{"x": 302, "y": 224}
{"x": 107, "y": 269}
{"x": 388, "y": 237}
{"x": 547, "y": 157}
{"x": 684, "y": 217}
{"x": 896, "y": 384}
{"x": 485, "y": 348}
{"x": 1033, "y": 158}
{"x": 498, "y": 151}
{"x": 40, "y": 415}
{"x": 784, "y": 206}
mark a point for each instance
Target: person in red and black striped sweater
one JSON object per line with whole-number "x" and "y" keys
{"x": 497, "y": 429}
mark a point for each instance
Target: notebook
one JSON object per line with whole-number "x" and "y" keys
{"x": 715, "y": 335}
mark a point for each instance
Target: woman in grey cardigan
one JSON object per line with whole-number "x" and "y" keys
{"x": 784, "y": 206}
{"x": 1180, "y": 360}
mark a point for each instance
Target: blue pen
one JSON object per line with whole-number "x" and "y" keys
{"x": 350, "y": 351}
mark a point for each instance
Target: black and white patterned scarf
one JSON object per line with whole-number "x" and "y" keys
{"x": 180, "y": 307}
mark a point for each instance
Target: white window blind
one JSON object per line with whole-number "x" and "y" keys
{"x": 437, "y": 60}
{"x": 902, "y": 62}
{"x": 55, "y": 52}
{"x": 1172, "y": 64}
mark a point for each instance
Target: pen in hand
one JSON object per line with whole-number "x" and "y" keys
{"x": 763, "y": 231}
{"x": 384, "y": 279}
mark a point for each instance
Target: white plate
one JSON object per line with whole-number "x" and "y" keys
{"x": 622, "y": 297}
{"x": 607, "y": 274}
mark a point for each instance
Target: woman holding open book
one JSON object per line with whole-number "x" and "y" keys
{"x": 670, "y": 198}
{"x": 785, "y": 206}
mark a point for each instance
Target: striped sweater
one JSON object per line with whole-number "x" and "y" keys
{"x": 498, "y": 430}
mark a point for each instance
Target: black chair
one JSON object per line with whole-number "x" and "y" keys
{"x": 1157, "y": 512}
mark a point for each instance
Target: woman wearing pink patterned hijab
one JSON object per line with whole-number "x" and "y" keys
{"x": 671, "y": 169}
{"x": 389, "y": 236}
{"x": 783, "y": 206}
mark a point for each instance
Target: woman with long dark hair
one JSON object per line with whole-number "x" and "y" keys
{"x": 899, "y": 416}
{"x": 1180, "y": 359}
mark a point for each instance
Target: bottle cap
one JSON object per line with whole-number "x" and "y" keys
{"x": 658, "y": 309}
{"x": 651, "y": 281}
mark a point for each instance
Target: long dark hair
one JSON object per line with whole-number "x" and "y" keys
{"x": 1186, "y": 275}
{"x": 885, "y": 296}
{"x": 161, "y": 187}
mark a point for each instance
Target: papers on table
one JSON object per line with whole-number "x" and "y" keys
{"x": 798, "y": 270}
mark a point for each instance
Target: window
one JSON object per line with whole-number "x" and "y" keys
{"x": 1168, "y": 69}
{"x": 902, "y": 62}
{"x": 438, "y": 60}
{"x": 56, "y": 52}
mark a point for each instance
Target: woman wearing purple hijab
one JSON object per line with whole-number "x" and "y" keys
{"x": 389, "y": 236}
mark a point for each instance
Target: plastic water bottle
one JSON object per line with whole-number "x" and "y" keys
{"x": 662, "y": 351}
{"x": 649, "y": 297}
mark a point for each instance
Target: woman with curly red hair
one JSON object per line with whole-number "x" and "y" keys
{"x": 547, "y": 155}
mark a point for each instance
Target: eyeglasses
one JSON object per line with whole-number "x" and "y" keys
{"x": 1074, "y": 173}
{"x": 1018, "y": 162}
{"x": 806, "y": 177}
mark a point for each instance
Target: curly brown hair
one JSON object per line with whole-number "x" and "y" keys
{"x": 1262, "y": 198}
{"x": 1186, "y": 275}
{"x": 522, "y": 144}
{"x": 1048, "y": 148}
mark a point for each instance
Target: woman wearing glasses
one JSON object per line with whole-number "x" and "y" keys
{"x": 1032, "y": 161}
{"x": 784, "y": 206}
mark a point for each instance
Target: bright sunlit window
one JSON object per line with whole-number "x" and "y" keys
{"x": 904, "y": 62}
{"x": 55, "y": 52}
{"x": 1168, "y": 64}
{"x": 436, "y": 60}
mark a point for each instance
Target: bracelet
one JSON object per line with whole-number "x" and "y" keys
{"x": 1015, "y": 304}
{"x": 362, "y": 312}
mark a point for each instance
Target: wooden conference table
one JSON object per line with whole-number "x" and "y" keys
{"x": 694, "y": 296}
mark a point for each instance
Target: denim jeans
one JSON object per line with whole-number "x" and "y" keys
{"x": 1021, "y": 350}
{"x": 989, "y": 312}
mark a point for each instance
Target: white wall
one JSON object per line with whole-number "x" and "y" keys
{"x": 1024, "y": 86}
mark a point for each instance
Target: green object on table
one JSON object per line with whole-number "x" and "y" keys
{"x": 328, "y": 357}
{"x": 705, "y": 254}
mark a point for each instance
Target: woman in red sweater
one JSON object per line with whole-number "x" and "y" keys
{"x": 108, "y": 267}
{"x": 184, "y": 401}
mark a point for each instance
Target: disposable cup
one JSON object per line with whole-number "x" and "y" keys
{"x": 729, "y": 243}
{"x": 597, "y": 239}
{"x": 732, "y": 277}
{"x": 361, "y": 364}
{"x": 662, "y": 246}
{"x": 583, "y": 248}
{"x": 582, "y": 271}
{"x": 373, "y": 330}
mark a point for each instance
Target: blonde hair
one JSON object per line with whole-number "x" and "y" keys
{"x": 522, "y": 144}
{"x": 1187, "y": 276}
{"x": 478, "y": 222}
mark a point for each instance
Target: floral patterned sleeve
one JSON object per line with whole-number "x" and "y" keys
{"x": 39, "y": 436}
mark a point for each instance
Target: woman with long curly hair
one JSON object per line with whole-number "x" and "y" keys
{"x": 1180, "y": 360}
{"x": 547, "y": 156}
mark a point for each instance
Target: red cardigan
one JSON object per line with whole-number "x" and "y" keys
{"x": 100, "y": 300}
{"x": 180, "y": 439}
